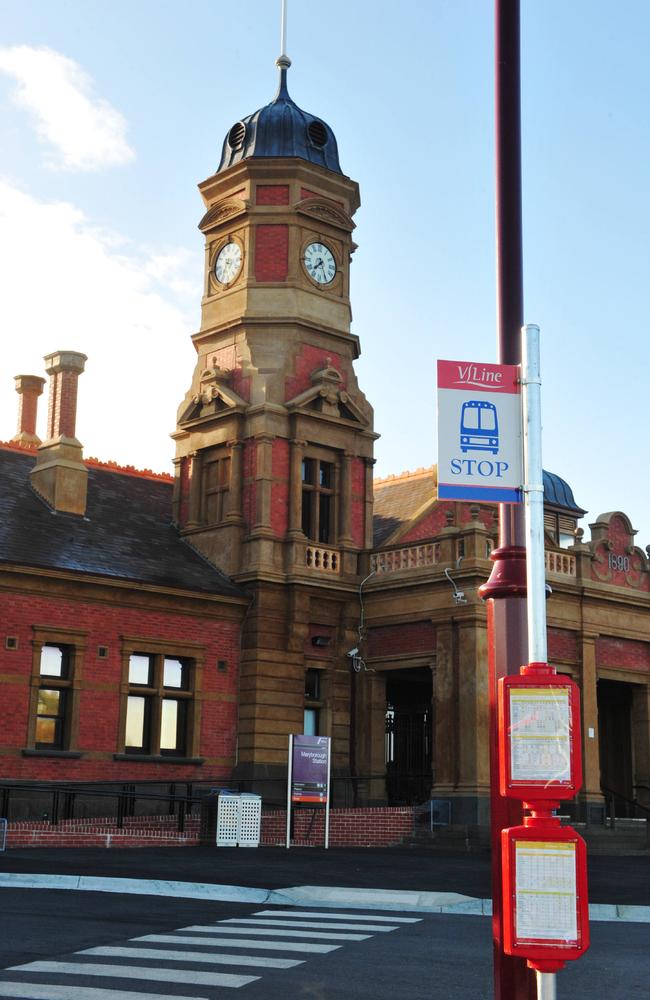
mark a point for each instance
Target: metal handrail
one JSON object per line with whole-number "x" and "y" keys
{"x": 610, "y": 797}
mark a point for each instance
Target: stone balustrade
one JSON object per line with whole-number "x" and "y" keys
{"x": 560, "y": 563}
{"x": 409, "y": 557}
{"x": 327, "y": 560}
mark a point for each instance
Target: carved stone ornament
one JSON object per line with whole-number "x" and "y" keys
{"x": 222, "y": 212}
{"x": 324, "y": 212}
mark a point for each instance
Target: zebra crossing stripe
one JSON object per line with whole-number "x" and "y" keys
{"x": 47, "y": 991}
{"x": 321, "y": 949}
{"x": 189, "y": 977}
{"x": 375, "y": 928}
{"x": 332, "y": 915}
{"x": 271, "y": 931}
{"x": 253, "y": 961}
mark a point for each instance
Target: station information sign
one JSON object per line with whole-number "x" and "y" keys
{"x": 310, "y": 769}
{"x": 480, "y": 451}
{"x": 539, "y": 733}
{"x": 546, "y": 910}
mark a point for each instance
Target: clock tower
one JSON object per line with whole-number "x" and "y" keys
{"x": 274, "y": 438}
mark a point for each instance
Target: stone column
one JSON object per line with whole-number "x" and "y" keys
{"x": 345, "y": 525}
{"x": 196, "y": 490}
{"x": 444, "y": 710}
{"x": 235, "y": 512}
{"x": 368, "y": 529}
{"x": 590, "y": 744}
{"x": 295, "y": 488}
{"x": 263, "y": 476}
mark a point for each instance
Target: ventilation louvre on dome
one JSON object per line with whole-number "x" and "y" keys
{"x": 237, "y": 135}
{"x": 317, "y": 133}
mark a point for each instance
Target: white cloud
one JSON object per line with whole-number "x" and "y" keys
{"x": 87, "y": 133}
{"x": 68, "y": 285}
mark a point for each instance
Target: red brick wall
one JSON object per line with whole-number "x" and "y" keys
{"x": 626, "y": 654}
{"x": 99, "y": 696}
{"x": 249, "y": 464}
{"x": 272, "y": 194}
{"x": 380, "y": 827}
{"x": 358, "y": 511}
{"x": 280, "y": 487}
{"x": 308, "y": 360}
{"x": 348, "y": 827}
{"x": 411, "y": 637}
{"x": 271, "y": 253}
{"x": 562, "y": 645}
{"x": 429, "y": 526}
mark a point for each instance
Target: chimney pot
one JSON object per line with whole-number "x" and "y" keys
{"x": 60, "y": 475}
{"x": 29, "y": 388}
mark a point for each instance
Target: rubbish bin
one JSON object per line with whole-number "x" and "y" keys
{"x": 238, "y": 820}
{"x": 228, "y": 815}
{"x": 250, "y": 820}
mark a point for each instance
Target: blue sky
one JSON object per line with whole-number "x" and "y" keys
{"x": 111, "y": 113}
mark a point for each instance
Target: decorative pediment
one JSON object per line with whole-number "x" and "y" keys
{"x": 324, "y": 211}
{"x": 214, "y": 396}
{"x": 222, "y": 212}
{"x": 615, "y": 557}
{"x": 327, "y": 396}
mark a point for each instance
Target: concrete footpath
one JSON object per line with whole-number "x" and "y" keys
{"x": 382, "y": 878}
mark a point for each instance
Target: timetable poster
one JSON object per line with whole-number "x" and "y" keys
{"x": 545, "y": 890}
{"x": 540, "y": 734}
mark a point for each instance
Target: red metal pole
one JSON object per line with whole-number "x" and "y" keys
{"x": 505, "y": 591}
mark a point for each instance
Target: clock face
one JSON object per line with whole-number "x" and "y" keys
{"x": 319, "y": 263}
{"x": 228, "y": 263}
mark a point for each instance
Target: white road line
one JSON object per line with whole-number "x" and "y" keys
{"x": 47, "y": 991}
{"x": 271, "y": 931}
{"x": 322, "y": 949}
{"x": 191, "y": 977}
{"x": 255, "y": 961}
{"x": 375, "y": 928}
{"x": 332, "y": 915}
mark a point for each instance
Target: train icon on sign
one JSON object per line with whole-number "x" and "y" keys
{"x": 479, "y": 427}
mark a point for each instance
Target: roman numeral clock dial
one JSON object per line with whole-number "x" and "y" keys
{"x": 228, "y": 263}
{"x": 319, "y": 263}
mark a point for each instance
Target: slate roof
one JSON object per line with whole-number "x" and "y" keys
{"x": 398, "y": 499}
{"x": 126, "y": 534}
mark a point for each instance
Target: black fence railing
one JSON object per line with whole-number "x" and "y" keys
{"x": 55, "y": 802}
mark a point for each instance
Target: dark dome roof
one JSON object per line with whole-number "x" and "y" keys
{"x": 281, "y": 129}
{"x": 558, "y": 492}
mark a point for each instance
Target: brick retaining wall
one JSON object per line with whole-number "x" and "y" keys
{"x": 381, "y": 827}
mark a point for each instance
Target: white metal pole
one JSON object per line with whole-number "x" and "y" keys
{"x": 327, "y": 801}
{"x": 534, "y": 495}
{"x": 283, "y": 29}
{"x": 534, "y": 518}
{"x": 546, "y": 986}
{"x": 289, "y": 779}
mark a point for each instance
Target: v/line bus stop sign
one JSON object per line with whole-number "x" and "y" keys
{"x": 479, "y": 432}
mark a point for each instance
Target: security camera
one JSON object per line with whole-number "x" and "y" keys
{"x": 353, "y": 652}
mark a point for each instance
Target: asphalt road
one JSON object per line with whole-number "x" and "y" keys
{"x": 624, "y": 880}
{"x": 425, "y": 957}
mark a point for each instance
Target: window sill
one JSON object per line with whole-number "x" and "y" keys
{"x": 66, "y": 754}
{"x": 145, "y": 758}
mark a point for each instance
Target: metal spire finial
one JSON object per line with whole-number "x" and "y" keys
{"x": 283, "y": 62}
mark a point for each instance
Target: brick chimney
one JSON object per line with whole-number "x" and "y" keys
{"x": 29, "y": 388}
{"x": 60, "y": 475}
